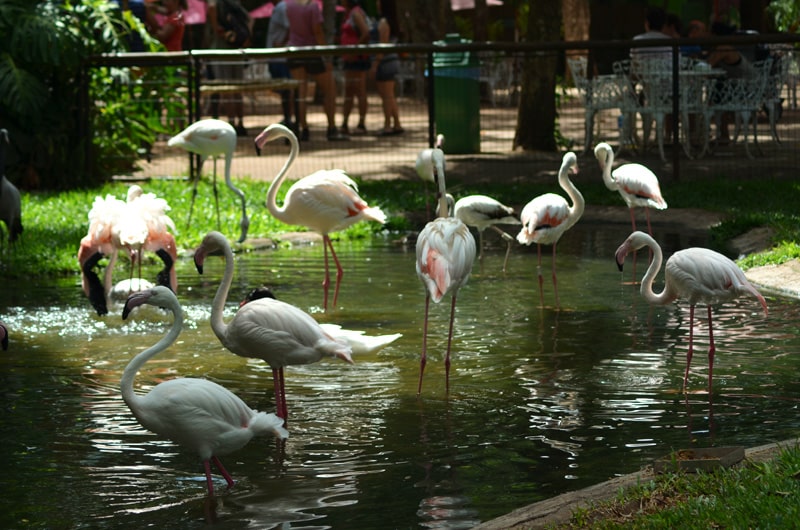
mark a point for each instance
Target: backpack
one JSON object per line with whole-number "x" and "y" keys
{"x": 235, "y": 21}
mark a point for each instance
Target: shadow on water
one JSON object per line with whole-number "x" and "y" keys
{"x": 542, "y": 401}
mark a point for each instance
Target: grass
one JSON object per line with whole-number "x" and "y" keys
{"x": 55, "y": 222}
{"x": 752, "y": 495}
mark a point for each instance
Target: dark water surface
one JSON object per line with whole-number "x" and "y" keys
{"x": 542, "y": 401}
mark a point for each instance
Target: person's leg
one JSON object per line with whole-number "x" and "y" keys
{"x": 350, "y": 92}
{"x": 361, "y": 94}
{"x": 299, "y": 73}
{"x": 383, "y": 92}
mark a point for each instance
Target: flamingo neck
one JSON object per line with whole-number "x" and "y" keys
{"x": 608, "y": 180}
{"x": 218, "y": 305}
{"x": 649, "y": 276}
{"x": 128, "y": 395}
{"x": 443, "y": 210}
{"x": 578, "y": 204}
{"x": 272, "y": 192}
{"x": 228, "y": 182}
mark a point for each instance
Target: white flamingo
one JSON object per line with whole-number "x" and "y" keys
{"x": 213, "y": 138}
{"x": 698, "y": 275}
{"x": 198, "y": 414}
{"x": 359, "y": 341}
{"x": 548, "y": 216}
{"x": 637, "y": 185}
{"x": 445, "y": 254}
{"x": 484, "y": 212}
{"x": 267, "y": 329}
{"x": 325, "y": 201}
{"x": 425, "y": 169}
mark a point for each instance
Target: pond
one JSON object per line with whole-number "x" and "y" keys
{"x": 542, "y": 401}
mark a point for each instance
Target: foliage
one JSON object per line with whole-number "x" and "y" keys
{"x": 42, "y": 55}
{"x": 786, "y": 15}
{"x": 753, "y": 495}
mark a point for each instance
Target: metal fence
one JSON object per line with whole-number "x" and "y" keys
{"x": 491, "y": 74}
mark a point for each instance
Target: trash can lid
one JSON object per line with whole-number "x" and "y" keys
{"x": 453, "y": 59}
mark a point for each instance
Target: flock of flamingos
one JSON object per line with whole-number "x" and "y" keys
{"x": 210, "y": 420}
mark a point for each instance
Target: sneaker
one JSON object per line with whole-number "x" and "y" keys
{"x": 360, "y": 130}
{"x": 335, "y": 136}
{"x": 240, "y": 130}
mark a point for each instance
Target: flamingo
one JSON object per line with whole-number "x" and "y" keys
{"x": 195, "y": 413}
{"x": 140, "y": 223}
{"x": 360, "y": 343}
{"x": 3, "y": 335}
{"x": 698, "y": 275}
{"x": 10, "y": 205}
{"x": 325, "y": 201}
{"x": 484, "y": 212}
{"x": 637, "y": 185}
{"x": 267, "y": 329}
{"x": 425, "y": 169}
{"x": 445, "y": 253}
{"x": 548, "y": 216}
{"x": 213, "y": 138}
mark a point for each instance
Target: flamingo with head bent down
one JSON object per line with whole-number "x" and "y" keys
{"x": 325, "y": 201}
{"x": 698, "y": 275}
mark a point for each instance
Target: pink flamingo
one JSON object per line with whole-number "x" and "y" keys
{"x": 213, "y": 138}
{"x": 445, "y": 254}
{"x": 484, "y": 212}
{"x": 637, "y": 185}
{"x": 195, "y": 413}
{"x": 698, "y": 275}
{"x": 325, "y": 201}
{"x": 267, "y": 329}
{"x": 548, "y": 216}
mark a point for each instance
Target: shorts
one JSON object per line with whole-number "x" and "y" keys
{"x": 357, "y": 65}
{"x": 312, "y": 65}
{"x": 279, "y": 70}
{"x": 387, "y": 69}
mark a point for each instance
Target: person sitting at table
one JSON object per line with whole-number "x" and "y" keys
{"x": 736, "y": 65}
{"x": 696, "y": 29}
{"x": 654, "y": 23}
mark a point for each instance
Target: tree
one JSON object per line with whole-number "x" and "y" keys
{"x": 536, "y": 116}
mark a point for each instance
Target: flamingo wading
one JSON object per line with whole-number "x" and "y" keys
{"x": 425, "y": 170}
{"x": 267, "y": 329}
{"x": 548, "y": 216}
{"x": 484, "y": 212}
{"x": 325, "y": 201}
{"x": 445, "y": 254}
{"x": 198, "y": 414}
{"x": 213, "y": 138}
{"x": 698, "y": 275}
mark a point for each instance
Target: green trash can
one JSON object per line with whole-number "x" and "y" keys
{"x": 456, "y": 99}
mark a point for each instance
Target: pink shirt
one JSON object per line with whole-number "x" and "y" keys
{"x": 302, "y": 19}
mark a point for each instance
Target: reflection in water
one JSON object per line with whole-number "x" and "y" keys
{"x": 541, "y": 402}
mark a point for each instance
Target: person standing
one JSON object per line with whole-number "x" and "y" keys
{"x": 386, "y": 66}
{"x": 277, "y": 37}
{"x": 354, "y": 30}
{"x": 305, "y": 29}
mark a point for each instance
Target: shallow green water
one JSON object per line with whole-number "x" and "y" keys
{"x": 542, "y": 401}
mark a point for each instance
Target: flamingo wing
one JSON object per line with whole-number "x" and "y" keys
{"x": 209, "y": 137}
{"x": 445, "y": 253}
{"x": 639, "y": 186}
{"x": 482, "y": 211}
{"x": 544, "y": 219}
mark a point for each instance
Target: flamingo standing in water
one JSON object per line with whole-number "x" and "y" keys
{"x": 484, "y": 212}
{"x": 637, "y": 185}
{"x": 445, "y": 254}
{"x": 138, "y": 224}
{"x": 267, "y": 329}
{"x": 425, "y": 169}
{"x": 198, "y": 414}
{"x": 325, "y": 201}
{"x": 213, "y": 138}
{"x": 360, "y": 343}
{"x": 548, "y": 216}
{"x": 698, "y": 275}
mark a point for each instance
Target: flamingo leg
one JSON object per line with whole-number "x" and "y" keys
{"x": 228, "y": 477}
{"x": 194, "y": 192}
{"x": 326, "y": 282}
{"x": 555, "y": 280}
{"x": 633, "y": 229}
{"x": 711, "y": 350}
{"x": 449, "y": 342}
{"x": 209, "y": 482}
{"x": 689, "y": 352}
{"x": 280, "y": 394}
{"x": 339, "y": 271}
{"x": 649, "y": 231}
{"x": 216, "y": 194}
{"x": 539, "y": 273}
{"x": 509, "y": 240}
{"x": 423, "y": 359}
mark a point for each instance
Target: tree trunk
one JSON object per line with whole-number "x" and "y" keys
{"x": 536, "y": 117}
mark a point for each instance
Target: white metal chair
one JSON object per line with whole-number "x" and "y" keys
{"x": 597, "y": 93}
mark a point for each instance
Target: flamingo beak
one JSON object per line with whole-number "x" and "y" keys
{"x": 136, "y": 299}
